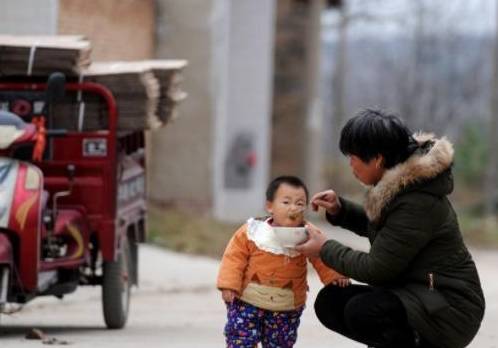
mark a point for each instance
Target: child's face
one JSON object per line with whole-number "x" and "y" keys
{"x": 287, "y": 208}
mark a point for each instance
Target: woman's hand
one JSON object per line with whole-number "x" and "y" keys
{"x": 327, "y": 200}
{"x": 316, "y": 239}
{"x": 228, "y": 295}
{"x": 342, "y": 282}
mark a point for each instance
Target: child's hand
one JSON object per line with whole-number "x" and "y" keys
{"x": 342, "y": 282}
{"x": 228, "y": 295}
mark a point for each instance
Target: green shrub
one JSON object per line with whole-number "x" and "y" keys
{"x": 471, "y": 155}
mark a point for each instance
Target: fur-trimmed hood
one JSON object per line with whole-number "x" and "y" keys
{"x": 434, "y": 157}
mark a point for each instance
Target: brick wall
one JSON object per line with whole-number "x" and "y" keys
{"x": 118, "y": 29}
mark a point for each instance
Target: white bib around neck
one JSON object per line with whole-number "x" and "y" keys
{"x": 261, "y": 233}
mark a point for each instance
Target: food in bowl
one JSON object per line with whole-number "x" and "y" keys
{"x": 289, "y": 237}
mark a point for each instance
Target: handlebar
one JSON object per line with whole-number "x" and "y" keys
{"x": 56, "y": 132}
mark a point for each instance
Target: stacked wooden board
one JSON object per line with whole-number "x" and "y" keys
{"x": 41, "y": 55}
{"x": 146, "y": 92}
{"x": 168, "y": 72}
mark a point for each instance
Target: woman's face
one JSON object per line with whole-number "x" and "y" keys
{"x": 369, "y": 172}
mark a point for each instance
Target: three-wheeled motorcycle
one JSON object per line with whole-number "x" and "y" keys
{"x": 72, "y": 202}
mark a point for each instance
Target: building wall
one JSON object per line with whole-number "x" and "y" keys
{"x": 28, "y": 17}
{"x": 118, "y": 29}
{"x": 181, "y": 153}
{"x": 229, "y": 46}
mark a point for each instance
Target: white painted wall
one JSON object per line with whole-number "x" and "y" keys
{"x": 243, "y": 52}
{"x": 29, "y": 17}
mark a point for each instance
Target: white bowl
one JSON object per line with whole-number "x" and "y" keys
{"x": 289, "y": 237}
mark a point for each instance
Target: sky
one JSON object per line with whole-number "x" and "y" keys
{"x": 394, "y": 17}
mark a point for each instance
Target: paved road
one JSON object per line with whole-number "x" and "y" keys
{"x": 177, "y": 306}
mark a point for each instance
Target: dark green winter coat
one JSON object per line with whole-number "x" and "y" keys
{"x": 417, "y": 249}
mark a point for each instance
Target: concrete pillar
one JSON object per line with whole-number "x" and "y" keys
{"x": 243, "y": 107}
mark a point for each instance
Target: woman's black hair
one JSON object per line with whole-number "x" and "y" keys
{"x": 284, "y": 179}
{"x": 375, "y": 132}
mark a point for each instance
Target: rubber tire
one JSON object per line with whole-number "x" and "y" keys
{"x": 133, "y": 269}
{"x": 116, "y": 288}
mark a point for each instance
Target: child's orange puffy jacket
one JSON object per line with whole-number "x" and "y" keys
{"x": 244, "y": 263}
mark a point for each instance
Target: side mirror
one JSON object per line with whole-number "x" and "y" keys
{"x": 55, "y": 88}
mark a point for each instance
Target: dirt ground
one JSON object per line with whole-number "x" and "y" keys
{"x": 177, "y": 306}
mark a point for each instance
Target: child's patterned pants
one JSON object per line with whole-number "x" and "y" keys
{"x": 247, "y": 325}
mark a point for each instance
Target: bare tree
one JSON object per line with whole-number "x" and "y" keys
{"x": 339, "y": 76}
{"x": 347, "y": 18}
{"x": 490, "y": 187}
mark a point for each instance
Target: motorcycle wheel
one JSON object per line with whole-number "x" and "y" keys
{"x": 116, "y": 288}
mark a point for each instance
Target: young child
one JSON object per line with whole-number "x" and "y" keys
{"x": 263, "y": 284}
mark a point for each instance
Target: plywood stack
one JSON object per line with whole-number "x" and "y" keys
{"x": 135, "y": 89}
{"x": 146, "y": 92}
{"x": 41, "y": 55}
{"x": 168, "y": 72}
